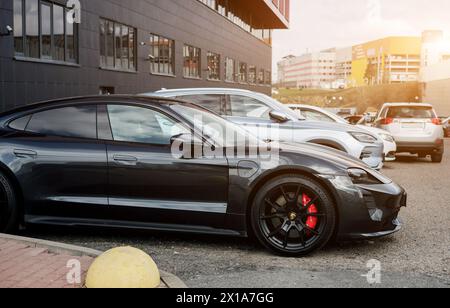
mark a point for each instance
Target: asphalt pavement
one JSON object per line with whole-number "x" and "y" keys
{"x": 418, "y": 256}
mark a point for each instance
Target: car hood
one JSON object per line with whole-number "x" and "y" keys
{"x": 373, "y": 130}
{"x": 335, "y": 157}
{"x": 333, "y": 126}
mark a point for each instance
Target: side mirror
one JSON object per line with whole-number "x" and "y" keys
{"x": 278, "y": 116}
{"x": 186, "y": 146}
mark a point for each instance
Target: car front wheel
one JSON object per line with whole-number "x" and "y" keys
{"x": 293, "y": 215}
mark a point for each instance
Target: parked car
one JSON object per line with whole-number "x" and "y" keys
{"x": 446, "y": 124}
{"x": 415, "y": 127}
{"x": 313, "y": 113}
{"x": 109, "y": 162}
{"x": 267, "y": 118}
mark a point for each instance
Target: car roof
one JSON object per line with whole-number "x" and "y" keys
{"x": 407, "y": 105}
{"x": 150, "y": 100}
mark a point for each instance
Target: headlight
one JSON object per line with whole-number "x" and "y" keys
{"x": 387, "y": 137}
{"x": 362, "y": 177}
{"x": 362, "y": 137}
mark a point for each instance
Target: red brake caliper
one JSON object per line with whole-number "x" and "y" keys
{"x": 311, "y": 222}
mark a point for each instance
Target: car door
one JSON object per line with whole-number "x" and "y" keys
{"x": 148, "y": 184}
{"x": 64, "y": 171}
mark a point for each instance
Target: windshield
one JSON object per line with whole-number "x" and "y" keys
{"x": 214, "y": 128}
{"x": 411, "y": 112}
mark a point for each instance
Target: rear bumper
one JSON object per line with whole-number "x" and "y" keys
{"x": 420, "y": 147}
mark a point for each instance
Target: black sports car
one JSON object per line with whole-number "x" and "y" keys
{"x": 139, "y": 162}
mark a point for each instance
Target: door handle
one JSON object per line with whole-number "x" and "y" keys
{"x": 125, "y": 159}
{"x": 22, "y": 153}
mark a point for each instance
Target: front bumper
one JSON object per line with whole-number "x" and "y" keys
{"x": 373, "y": 156}
{"x": 368, "y": 211}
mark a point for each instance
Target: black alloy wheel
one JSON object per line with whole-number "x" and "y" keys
{"x": 293, "y": 215}
{"x": 8, "y": 206}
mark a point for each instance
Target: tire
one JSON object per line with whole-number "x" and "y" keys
{"x": 298, "y": 227}
{"x": 437, "y": 158}
{"x": 8, "y": 206}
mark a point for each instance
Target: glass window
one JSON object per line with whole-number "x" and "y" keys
{"x": 72, "y": 43}
{"x": 230, "y": 70}
{"x": 103, "y": 25}
{"x": 142, "y": 125}
{"x": 18, "y": 27}
{"x": 242, "y": 106}
{"x": 58, "y": 33}
{"x": 46, "y": 30}
{"x": 212, "y": 102}
{"x": 192, "y": 63}
{"x": 213, "y": 66}
{"x": 268, "y": 78}
{"x": 261, "y": 77}
{"x": 20, "y": 124}
{"x": 414, "y": 112}
{"x": 242, "y": 72}
{"x": 77, "y": 122}
{"x": 32, "y": 28}
{"x": 110, "y": 44}
{"x": 312, "y": 115}
{"x": 252, "y": 74}
{"x": 117, "y": 46}
{"x": 162, "y": 51}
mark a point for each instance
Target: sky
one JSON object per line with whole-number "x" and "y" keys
{"x": 322, "y": 24}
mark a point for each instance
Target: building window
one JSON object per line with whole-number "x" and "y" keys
{"x": 252, "y": 74}
{"x": 261, "y": 77}
{"x": 162, "y": 52}
{"x": 41, "y": 31}
{"x": 117, "y": 46}
{"x": 230, "y": 70}
{"x": 268, "y": 78}
{"x": 192, "y": 63}
{"x": 213, "y": 66}
{"x": 243, "y": 72}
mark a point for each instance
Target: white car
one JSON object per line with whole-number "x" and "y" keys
{"x": 269, "y": 119}
{"x": 415, "y": 127}
{"x": 313, "y": 113}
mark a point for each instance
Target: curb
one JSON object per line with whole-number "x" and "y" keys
{"x": 169, "y": 279}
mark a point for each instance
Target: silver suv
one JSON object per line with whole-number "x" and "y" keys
{"x": 267, "y": 118}
{"x": 415, "y": 127}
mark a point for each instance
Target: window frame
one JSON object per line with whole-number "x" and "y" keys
{"x": 154, "y": 109}
{"x": 191, "y": 59}
{"x": 48, "y": 59}
{"x": 218, "y": 57}
{"x": 131, "y": 55}
{"x": 172, "y": 51}
{"x": 31, "y": 113}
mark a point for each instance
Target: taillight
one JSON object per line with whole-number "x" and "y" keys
{"x": 436, "y": 121}
{"x": 387, "y": 121}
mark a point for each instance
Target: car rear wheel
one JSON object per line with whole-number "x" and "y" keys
{"x": 437, "y": 158}
{"x": 8, "y": 206}
{"x": 293, "y": 215}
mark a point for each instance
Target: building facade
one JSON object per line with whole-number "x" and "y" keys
{"x": 435, "y": 71}
{"x": 134, "y": 46}
{"x": 311, "y": 71}
{"x": 387, "y": 61}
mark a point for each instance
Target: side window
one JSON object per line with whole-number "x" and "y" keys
{"x": 76, "y": 122}
{"x": 212, "y": 102}
{"x": 20, "y": 124}
{"x": 242, "y": 106}
{"x": 312, "y": 115}
{"x": 142, "y": 125}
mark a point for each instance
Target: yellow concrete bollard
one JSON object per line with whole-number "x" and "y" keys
{"x": 123, "y": 267}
